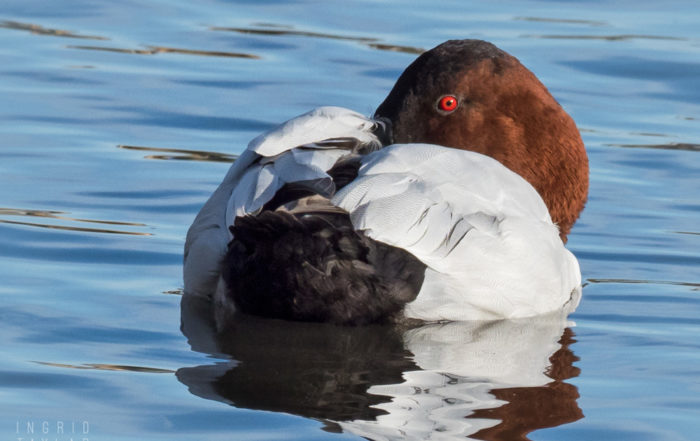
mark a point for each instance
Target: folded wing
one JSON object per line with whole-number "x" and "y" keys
{"x": 485, "y": 234}
{"x": 302, "y": 149}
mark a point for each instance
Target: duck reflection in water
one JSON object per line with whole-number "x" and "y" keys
{"x": 477, "y": 380}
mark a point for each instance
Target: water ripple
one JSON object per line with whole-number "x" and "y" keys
{"x": 109, "y": 367}
{"x": 650, "y": 282}
{"x": 96, "y": 334}
{"x": 72, "y": 228}
{"x": 40, "y": 30}
{"x": 397, "y": 48}
{"x": 562, "y": 21}
{"x": 670, "y": 146}
{"x": 641, "y": 319}
{"x": 669, "y": 259}
{"x": 35, "y": 380}
{"x": 91, "y": 254}
{"x": 181, "y": 120}
{"x": 288, "y": 31}
{"x": 276, "y": 31}
{"x": 60, "y": 215}
{"x": 153, "y": 50}
{"x": 154, "y": 117}
{"x": 620, "y": 37}
{"x": 642, "y": 68}
{"x": 182, "y": 154}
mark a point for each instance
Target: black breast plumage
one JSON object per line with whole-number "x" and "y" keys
{"x": 305, "y": 261}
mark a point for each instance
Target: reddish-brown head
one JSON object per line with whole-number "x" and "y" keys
{"x": 470, "y": 95}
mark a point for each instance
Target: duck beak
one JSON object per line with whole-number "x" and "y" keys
{"x": 383, "y": 130}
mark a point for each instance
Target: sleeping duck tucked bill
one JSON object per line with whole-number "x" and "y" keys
{"x": 453, "y": 202}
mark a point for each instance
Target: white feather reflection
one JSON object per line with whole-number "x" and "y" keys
{"x": 490, "y": 380}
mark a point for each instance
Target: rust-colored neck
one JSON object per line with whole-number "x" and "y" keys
{"x": 504, "y": 112}
{"x": 523, "y": 127}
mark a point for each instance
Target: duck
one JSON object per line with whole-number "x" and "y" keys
{"x": 453, "y": 202}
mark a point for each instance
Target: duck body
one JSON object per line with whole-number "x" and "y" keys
{"x": 324, "y": 218}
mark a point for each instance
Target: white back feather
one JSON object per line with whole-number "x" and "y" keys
{"x": 317, "y": 125}
{"x": 483, "y": 231}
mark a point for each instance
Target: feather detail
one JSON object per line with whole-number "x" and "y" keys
{"x": 482, "y": 230}
{"x": 300, "y": 150}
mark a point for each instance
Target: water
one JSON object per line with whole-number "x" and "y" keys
{"x": 119, "y": 118}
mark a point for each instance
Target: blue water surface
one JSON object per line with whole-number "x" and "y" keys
{"x": 118, "y": 119}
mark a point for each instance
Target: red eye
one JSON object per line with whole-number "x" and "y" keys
{"x": 447, "y": 103}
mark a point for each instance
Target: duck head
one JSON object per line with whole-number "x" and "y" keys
{"x": 470, "y": 95}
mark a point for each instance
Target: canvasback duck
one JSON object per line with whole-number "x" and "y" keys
{"x": 453, "y": 202}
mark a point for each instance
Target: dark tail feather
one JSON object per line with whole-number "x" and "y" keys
{"x": 315, "y": 267}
